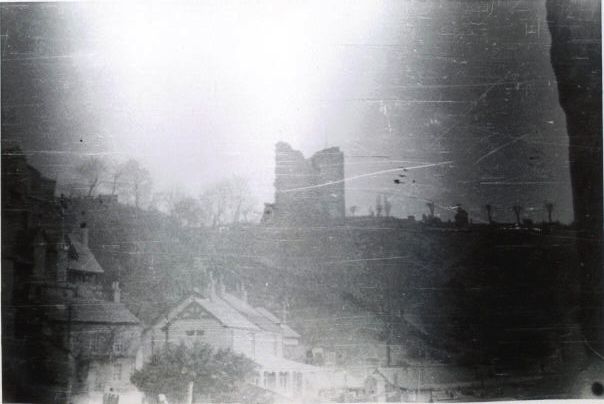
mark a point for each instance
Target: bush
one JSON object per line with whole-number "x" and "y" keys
{"x": 213, "y": 372}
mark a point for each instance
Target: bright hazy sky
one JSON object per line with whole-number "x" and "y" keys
{"x": 205, "y": 89}
{"x": 202, "y": 90}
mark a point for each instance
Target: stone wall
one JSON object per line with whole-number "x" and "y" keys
{"x": 308, "y": 190}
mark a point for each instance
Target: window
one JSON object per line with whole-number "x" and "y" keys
{"x": 98, "y": 342}
{"x": 98, "y": 383}
{"x": 298, "y": 381}
{"x": 191, "y": 333}
{"x": 270, "y": 380}
{"x": 118, "y": 346}
{"x": 283, "y": 380}
{"x": 117, "y": 372}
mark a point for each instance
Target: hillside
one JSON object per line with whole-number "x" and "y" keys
{"x": 451, "y": 295}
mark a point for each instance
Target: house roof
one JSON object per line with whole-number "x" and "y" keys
{"x": 268, "y": 315}
{"x": 81, "y": 258}
{"x": 269, "y": 362}
{"x": 288, "y": 332}
{"x": 219, "y": 309}
{"x": 93, "y": 312}
{"x": 251, "y": 314}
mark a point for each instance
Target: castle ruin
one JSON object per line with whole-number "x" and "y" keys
{"x": 307, "y": 190}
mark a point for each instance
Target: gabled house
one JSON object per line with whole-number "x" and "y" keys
{"x": 102, "y": 339}
{"x": 226, "y": 321}
{"x": 200, "y": 318}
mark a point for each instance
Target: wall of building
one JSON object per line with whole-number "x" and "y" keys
{"x": 244, "y": 342}
{"x": 89, "y": 340}
{"x": 105, "y": 357}
{"x": 115, "y": 374}
{"x": 206, "y": 330}
{"x": 257, "y": 344}
{"x": 250, "y": 343}
{"x": 308, "y": 189}
{"x": 329, "y": 164}
{"x": 268, "y": 344}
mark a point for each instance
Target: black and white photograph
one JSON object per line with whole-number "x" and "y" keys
{"x": 301, "y": 201}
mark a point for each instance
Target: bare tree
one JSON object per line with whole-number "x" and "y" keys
{"x": 378, "y": 205}
{"x": 387, "y": 206}
{"x": 517, "y": 211}
{"x": 213, "y": 202}
{"x": 227, "y": 201}
{"x": 91, "y": 172}
{"x": 117, "y": 172}
{"x": 137, "y": 182}
{"x": 489, "y": 209}
{"x": 73, "y": 190}
{"x": 549, "y": 206}
{"x": 430, "y": 206}
{"x": 242, "y": 201}
{"x": 165, "y": 201}
{"x": 187, "y": 211}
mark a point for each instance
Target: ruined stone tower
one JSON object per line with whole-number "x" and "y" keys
{"x": 308, "y": 189}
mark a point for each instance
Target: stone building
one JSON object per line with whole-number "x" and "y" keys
{"x": 307, "y": 189}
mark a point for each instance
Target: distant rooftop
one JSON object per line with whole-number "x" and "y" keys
{"x": 252, "y": 314}
{"x": 81, "y": 258}
{"x": 93, "y": 312}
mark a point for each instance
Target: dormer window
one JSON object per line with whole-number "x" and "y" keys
{"x": 118, "y": 347}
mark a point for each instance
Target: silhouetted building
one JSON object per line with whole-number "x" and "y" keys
{"x": 62, "y": 336}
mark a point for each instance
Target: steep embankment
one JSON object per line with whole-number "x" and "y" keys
{"x": 480, "y": 293}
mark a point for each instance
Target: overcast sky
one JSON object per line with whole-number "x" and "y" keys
{"x": 198, "y": 91}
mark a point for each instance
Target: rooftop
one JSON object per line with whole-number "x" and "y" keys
{"x": 92, "y": 312}
{"x": 80, "y": 257}
{"x": 288, "y": 332}
{"x": 251, "y": 313}
{"x": 217, "y": 308}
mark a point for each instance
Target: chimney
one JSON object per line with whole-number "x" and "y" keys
{"x": 211, "y": 287}
{"x": 115, "y": 287}
{"x": 84, "y": 234}
{"x": 221, "y": 287}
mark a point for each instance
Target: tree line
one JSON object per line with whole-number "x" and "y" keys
{"x": 221, "y": 203}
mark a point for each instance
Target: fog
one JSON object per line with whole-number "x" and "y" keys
{"x": 201, "y": 91}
